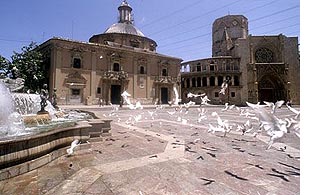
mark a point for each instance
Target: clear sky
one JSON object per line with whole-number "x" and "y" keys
{"x": 181, "y": 28}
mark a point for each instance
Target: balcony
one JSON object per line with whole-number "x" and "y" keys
{"x": 166, "y": 79}
{"x": 115, "y": 75}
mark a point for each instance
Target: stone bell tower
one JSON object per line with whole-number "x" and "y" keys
{"x": 225, "y": 31}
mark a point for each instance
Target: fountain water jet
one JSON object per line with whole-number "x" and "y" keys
{"x": 29, "y": 140}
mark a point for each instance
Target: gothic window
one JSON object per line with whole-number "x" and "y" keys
{"x": 116, "y": 67}
{"x": 264, "y": 55}
{"x": 183, "y": 84}
{"x": 232, "y": 94}
{"x": 76, "y": 63}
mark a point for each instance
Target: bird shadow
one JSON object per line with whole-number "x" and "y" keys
{"x": 235, "y": 176}
{"x": 208, "y": 181}
{"x": 279, "y": 176}
{"x": 293, "y": 167}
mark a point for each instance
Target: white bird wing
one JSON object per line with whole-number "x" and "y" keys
{"x": 74, "y": 143}
{"x": 293, "y": 110}
{"x": 125, "y": 94}
{"x": 255, "y": 105}
{"x": 269, "y": 104}
{"x": 176, "y": 96}
{"x": 279, "y": 103}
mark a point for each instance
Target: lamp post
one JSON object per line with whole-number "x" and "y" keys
{"x": 228, "y": 81}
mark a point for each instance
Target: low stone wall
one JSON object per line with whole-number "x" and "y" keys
{"x": 25, "y": 153}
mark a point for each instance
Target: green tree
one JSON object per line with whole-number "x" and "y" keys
{"x": 4, "y": 66}
{"x": 29, "y": 65}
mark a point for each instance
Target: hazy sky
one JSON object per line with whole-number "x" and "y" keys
{"x": 180, "y": 28}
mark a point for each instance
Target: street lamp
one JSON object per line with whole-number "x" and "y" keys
{"x": 228, "y": 88}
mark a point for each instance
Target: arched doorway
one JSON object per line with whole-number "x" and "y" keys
{"x": 271, "y": 89}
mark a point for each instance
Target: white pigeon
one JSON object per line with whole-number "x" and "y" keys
{"x": 294, "y": 111}
{"x": 248, "y": 127}
{"x": 274, "y": 106}
{"x": 177, "y": 100}
{"x": 293, "y": 126}
{"x": 224, "y": 86}
{"x": 138, "y": 105}
{"x": 214, "y": 129}
{"x": 246, "y": 113}
{"x": 74, "y": 144}
{"x": 190, "y": 103}
{"x": 151, "y": 114}
{"x": 205, "y": 100}
{"x": 189, "y": 95}
{"x": 274, "y": 127}
{"x": 222, "y": 124}
{"x": 227, "y": 107}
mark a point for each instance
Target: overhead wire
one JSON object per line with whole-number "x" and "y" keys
{"x": 257, "y": 19}
{"x": 172, "y": 13}
{"x": 194, "y": 18}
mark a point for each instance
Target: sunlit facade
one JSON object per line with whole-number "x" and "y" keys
{"x": 257, "y": 68}
{"x": 120, "y": 59}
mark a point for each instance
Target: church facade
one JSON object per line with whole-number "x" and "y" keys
{"x": 120, "y": 59}
{"x": 256, "y": 68}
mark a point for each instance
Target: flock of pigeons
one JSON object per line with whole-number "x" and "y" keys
{"x": 262, "y": 114}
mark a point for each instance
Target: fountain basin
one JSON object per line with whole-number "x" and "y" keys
{"x": 25, "y": 153}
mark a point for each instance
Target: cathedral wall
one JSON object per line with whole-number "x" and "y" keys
{"x": 291, "y": 54}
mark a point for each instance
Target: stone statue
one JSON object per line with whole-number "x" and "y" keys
{"x": 54, "y": 99}
{"x": 43, "y": 97}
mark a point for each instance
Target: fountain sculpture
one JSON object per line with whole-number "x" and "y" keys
{"x": 33, "y": 132}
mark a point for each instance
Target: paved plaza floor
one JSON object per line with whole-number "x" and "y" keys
{"x": 156, "y": 151}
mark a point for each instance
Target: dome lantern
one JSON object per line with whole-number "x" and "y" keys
{"x": 125, "y": 13}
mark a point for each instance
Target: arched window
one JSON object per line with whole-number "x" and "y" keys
{"x": 187, "y": 83}
{"x": 198, "y": 82}
{"x": 193, "y": 82}
{"x": 212, "y": 81}
{"x": 116, "y": 67}
{"x": 204, "y": 81}
{"x": 264, "y": 55}
{"x": 220, "y": 80}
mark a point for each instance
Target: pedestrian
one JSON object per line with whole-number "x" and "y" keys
{"x": 100, "y": 102}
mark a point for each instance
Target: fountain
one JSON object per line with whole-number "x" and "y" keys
{"x": 33, "y": 132}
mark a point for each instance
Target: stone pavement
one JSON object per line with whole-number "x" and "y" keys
{"x": 161, "y": 154}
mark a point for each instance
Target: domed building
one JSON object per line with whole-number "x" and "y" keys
{"x": 256, "y": 68}
{"x": 120, "y": 59}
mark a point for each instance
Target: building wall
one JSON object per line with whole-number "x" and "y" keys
{"x": 97, "y": 59}
{"x": 231, "y": 40}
